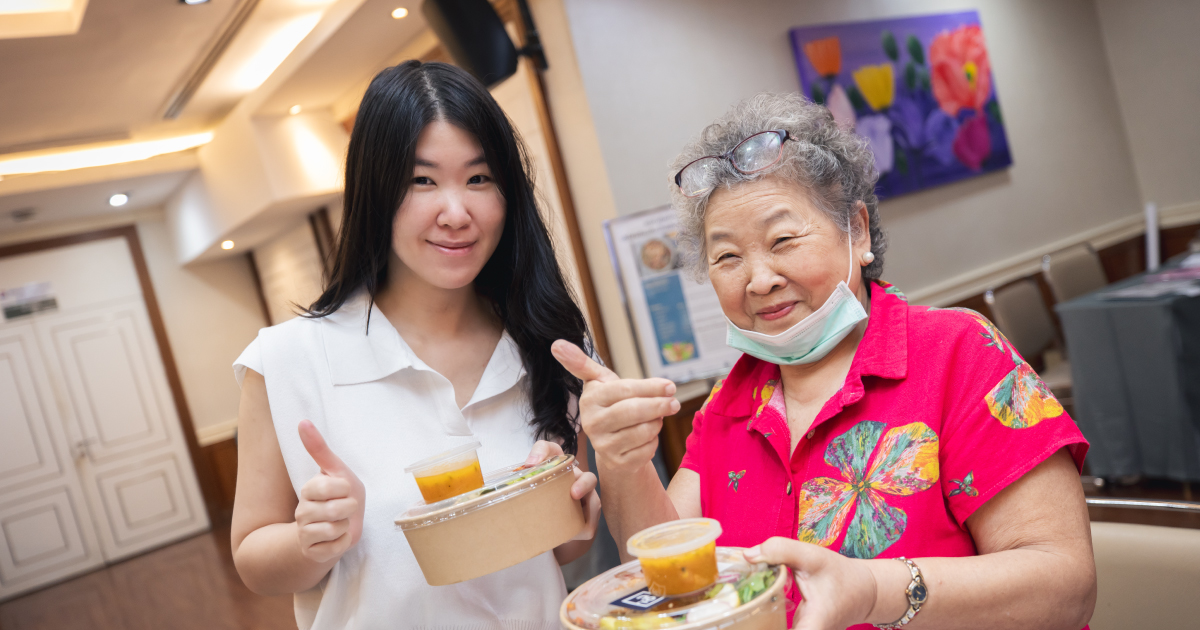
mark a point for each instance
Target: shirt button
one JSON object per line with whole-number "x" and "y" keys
{"x": 812, "y": 433}
{"x": 789, "y": 490}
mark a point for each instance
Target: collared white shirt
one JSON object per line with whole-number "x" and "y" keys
{"x": 381, "y": 408}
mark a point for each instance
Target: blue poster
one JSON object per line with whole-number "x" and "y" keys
{"x": 669, "y": 314}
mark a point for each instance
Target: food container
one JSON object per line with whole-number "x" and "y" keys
{"x": 520, "y": 512}
{"x": 677, "y": 557}
{"x": 745, "y": 597}
{"x": 448, "y": 474}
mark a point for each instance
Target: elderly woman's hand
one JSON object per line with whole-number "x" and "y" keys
{"x": 838, "y": 591}
{"x": 621, "y": 417}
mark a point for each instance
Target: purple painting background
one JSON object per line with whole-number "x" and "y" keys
{"x": 931, "y": 137}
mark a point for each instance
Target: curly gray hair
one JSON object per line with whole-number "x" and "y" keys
{"x": 835, "y": 165}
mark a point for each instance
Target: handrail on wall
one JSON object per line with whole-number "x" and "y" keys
{"x": 1146, "y": 504}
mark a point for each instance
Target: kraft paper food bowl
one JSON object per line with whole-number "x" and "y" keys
{"x": 619, "y": 600}
{"x": 519, "y": 513}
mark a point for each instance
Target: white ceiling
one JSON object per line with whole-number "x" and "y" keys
{"x": 89, "y": 200}
{"x": 112, "y": 80}
{"x": 109, "y": 80}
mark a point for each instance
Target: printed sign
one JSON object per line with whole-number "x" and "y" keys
{"x": 678, "y": 322}
{"x": 34, "y": 297}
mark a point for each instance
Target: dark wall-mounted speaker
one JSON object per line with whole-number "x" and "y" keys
{"x": 474, "y": 36}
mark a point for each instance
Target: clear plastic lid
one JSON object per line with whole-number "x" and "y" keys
{"x": 444, "y": 461}
{"x": 618, "y": 598}
{"x": 499, "y": 485}
{"x": 673, "y": 538}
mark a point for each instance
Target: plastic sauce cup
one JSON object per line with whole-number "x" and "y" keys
{"x": 678, "y": 557}
{"x": 448, "y": 474}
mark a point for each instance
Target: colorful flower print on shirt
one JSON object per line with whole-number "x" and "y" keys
{"x": 734, "y": 478}
{"x": 716, "y": 388}
{"x": 763, "y": 396}
{"x": 906, "y": 463}
{"x": 965, "y": 486}
{"x": 892, "y": 290}
{"x": 1020, "y": 400}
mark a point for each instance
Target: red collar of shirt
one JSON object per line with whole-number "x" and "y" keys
{"x": 883, "y": 352}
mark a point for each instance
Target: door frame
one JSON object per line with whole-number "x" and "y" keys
{"x": 205, "y": 474}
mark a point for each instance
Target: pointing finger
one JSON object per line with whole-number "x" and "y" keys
{"x": 580, "y": 364}
{"x": 330, "y": 463}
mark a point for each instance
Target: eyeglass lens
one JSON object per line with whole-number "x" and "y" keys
{"x": 757, "y": 152}
{"x": 751, "y": 155}
{"x": 697, "y": 177}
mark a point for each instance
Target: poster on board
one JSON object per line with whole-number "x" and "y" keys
{"x": 678, "y": 322}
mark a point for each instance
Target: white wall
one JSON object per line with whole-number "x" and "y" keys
{"x": 1155, "y": 63}
{"x": 657, "y": 72}
{"x": 211, "y": 312}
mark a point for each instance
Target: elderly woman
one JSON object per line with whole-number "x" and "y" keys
{"x": 904, "y": 460}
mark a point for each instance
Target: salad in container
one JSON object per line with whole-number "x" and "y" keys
{"x": 517, "y": 513}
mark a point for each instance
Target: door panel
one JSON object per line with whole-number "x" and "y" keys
{"x": 26, "y": 451}
{"x": 44, "y": 536}
{"x": 146, "y": 502}
{"x": 107, "y": 368}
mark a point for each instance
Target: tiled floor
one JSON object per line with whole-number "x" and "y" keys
{"x": 191, "y": 584}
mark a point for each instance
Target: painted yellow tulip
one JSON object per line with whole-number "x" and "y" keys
{"x": 877, "y": 84}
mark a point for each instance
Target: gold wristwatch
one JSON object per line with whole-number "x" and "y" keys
{"x": 916, "y": 593}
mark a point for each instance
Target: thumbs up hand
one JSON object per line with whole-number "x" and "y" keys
{"x": 622, "y": 417}
{"x": 329, "y": 516}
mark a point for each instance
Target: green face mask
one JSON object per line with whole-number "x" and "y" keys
{"x": 812, "y": 337}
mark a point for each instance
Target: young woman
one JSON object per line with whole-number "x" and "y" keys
{"x": 434, "y": 331}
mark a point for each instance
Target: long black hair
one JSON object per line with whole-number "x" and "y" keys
{"x": 521, "y": 280}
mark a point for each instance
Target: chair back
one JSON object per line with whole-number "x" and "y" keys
{"x": 1021, "y": 315}
{"x": 1147, "y": 576}
{"x": 1073, "y": 272}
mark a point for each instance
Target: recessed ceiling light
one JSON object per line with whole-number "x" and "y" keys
{"x": 118, "y": 199}
{"x": 193, "y": 1}
{"x": 294, "y": 110}
{"x": 400, "y": 13}
{"x": 226, "y": 244}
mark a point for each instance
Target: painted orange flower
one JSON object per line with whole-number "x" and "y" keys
{"x": 825, "y": 55}
{"x": 961, "y": 75}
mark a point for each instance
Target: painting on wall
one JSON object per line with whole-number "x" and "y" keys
{"x": 919, "y": 89}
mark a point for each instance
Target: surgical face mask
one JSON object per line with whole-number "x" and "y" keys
{"x": 812, "y": 337}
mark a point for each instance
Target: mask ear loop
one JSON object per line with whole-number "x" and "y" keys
{"x": 850, "y": 252}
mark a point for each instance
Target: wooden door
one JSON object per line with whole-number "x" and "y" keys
{"x": 46, "y": 531}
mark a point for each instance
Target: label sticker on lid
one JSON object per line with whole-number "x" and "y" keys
{"x": 640, "y": 600}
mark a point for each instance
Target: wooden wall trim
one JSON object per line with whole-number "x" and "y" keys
{"x": 258, "y": 288}
{"x": 202, "y": 465}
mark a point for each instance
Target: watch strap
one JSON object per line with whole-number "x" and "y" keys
{"x": 916, "y": 593}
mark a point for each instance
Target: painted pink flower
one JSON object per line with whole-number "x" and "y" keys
{"x": 961, "y": 75}
{"x": 973, "y": 143}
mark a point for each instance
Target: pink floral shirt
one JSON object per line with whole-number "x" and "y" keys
{"x": 938, "y": 414}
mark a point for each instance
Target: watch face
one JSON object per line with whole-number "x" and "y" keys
{"x": 918, "y": 594}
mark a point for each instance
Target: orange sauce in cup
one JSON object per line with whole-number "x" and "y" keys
{"x": 442, "y": 486}
{"x": 681, "y": 573}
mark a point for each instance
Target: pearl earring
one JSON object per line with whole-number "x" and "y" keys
{"x": 868, "y": 258}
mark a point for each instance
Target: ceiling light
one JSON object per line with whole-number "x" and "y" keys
{"x": 100, "y": 156}
{"x": 294, "y": 110}
{"x": 193, "y": 1}
{"x": 118, "y": 200}
{"x": 226, "y": 244}
{"x": 400, "y": 13}
{"x": 273, "y": 51}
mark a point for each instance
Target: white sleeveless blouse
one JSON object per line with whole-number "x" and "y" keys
{"x": 381, "y": 408}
